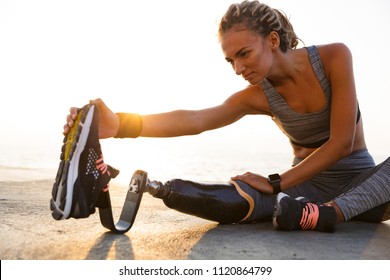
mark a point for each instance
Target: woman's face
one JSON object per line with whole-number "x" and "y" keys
{"x": 249, "y": 54}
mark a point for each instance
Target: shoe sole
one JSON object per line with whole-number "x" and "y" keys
{"x": 74, "y": 144}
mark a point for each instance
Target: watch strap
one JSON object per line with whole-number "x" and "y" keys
{"x": 274, "y": 180}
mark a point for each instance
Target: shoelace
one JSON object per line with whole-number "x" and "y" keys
{"x": 310, "y": 214}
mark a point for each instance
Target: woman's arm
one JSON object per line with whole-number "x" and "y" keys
{"x": 191, "y": 122}
{"x": 181, "y": 122}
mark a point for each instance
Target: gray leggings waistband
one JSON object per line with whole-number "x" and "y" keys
{"x": 360, "y": 159}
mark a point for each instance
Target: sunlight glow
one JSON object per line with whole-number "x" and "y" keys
{"x": 154, "y": 56}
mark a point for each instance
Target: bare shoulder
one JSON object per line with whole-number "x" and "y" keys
{"x": 334, "y": 56}
{"x": 251, "y": 99}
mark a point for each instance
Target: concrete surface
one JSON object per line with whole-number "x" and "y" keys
{"x": 29, "y": 232}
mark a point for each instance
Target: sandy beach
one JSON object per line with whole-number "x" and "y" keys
{"x": 28, "y": 232}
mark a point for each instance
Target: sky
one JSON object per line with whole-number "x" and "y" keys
{"x": 155, "y": 56}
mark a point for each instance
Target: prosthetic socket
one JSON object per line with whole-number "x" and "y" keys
{"x": 223, "y": 203}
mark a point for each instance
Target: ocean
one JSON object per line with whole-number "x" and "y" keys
{"x": 208, "y": 158}
{"x": 196, "y": 157}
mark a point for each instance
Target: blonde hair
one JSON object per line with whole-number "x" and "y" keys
{"x": 261, "y": 19}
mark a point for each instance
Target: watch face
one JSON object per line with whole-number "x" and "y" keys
{"x": 274, "y": 177}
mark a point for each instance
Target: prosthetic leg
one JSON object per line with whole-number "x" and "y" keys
{"x": 130, "y": 207}
{"x": 223, "y": 203}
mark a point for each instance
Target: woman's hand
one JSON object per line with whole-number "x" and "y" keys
{"x": 108, "y": 120}
{"x": 256, "y": 181}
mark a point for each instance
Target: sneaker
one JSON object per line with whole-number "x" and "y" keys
{"x": 82, "y": 173}
{"x": 299, "y": 214}
{"x": 294, "y": 214}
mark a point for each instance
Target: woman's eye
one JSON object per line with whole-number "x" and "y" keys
{"x": 244, "y": 54}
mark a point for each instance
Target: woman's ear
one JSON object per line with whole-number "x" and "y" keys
{"x": 273, "y": 40}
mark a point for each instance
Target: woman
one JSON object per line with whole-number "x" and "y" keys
{"x": 309, "y": 93}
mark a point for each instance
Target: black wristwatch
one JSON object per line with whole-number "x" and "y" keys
{"x": 274, "y": 180}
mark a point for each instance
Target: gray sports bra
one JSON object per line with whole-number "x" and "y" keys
{"x": 309, "y": 130}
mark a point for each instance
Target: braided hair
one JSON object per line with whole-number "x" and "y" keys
{"x": 261, "y": 19}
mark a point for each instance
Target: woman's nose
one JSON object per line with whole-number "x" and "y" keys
{"x": 239, "y": 67}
